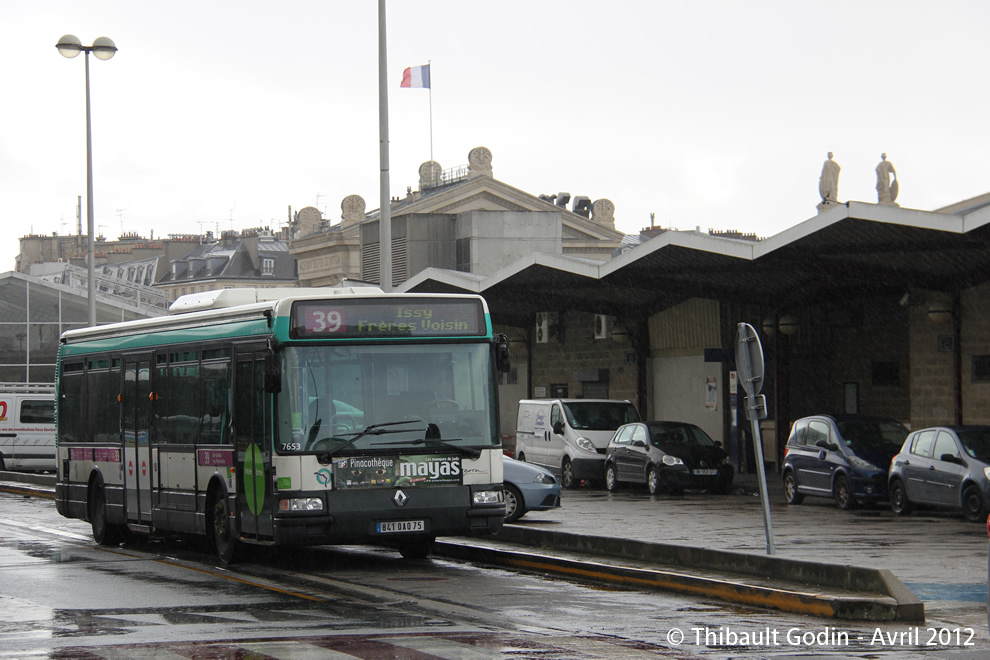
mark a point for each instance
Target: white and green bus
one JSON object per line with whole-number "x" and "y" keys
{"x": 286, "y": 417}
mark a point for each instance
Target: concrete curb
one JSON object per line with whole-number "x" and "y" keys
{"x": 29, "y": 478}
{"x": 886, "y": 598}
{"x": 21, "y": 483}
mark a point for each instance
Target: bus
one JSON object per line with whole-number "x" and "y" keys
{"x": 285, "y": 417}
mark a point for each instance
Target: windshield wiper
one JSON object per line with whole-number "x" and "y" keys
{"x": 432, "y": 437}
{"x": 374, "y": 429}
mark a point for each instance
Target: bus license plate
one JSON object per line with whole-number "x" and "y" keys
{"x": 400, "y": 526}
{"x": 705, "y": 473}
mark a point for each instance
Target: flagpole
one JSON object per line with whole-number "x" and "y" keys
{"x": 385, "y": 208}
{"x": 428, "y": 62}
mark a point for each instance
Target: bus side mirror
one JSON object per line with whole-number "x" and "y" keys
{"x": 502, "y": 353}
{"x": 273, "y": 378}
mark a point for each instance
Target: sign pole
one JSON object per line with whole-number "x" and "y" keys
{"x": 749, "y": 362}
{"x": 761, "y": 472}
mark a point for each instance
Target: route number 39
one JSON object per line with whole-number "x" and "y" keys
{"x": 329, "y": 320}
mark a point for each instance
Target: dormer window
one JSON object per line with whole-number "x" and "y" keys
{"x": 267, "y": 267}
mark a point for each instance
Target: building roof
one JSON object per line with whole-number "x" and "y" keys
{"x": 853, "y": 250}
{"x": 232, "y": 259}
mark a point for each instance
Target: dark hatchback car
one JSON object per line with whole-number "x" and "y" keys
{"x": 845, "y": 457}
{"x": 667, "y": 457}
{"x": 946, "y": 467}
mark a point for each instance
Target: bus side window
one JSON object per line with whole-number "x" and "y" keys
{"x": 70, "y": 423}
{"x": 213, "y": 429}
{"x": 185, "y": 403}
{"x": 102, "y": 388}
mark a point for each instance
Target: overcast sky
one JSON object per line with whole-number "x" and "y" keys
{"x": 714, "y": 114}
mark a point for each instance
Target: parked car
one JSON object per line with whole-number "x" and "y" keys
{"x": 946, "y": 467}
{"x": 845, "y": 457}
{"x": 526, "y": 488}
{"x": 666, "y": 456}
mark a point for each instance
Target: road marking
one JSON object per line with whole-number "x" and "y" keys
{"x": 294, "y": 650}
{"x": 46, "y": 530}
{"x": 221, "y": 573}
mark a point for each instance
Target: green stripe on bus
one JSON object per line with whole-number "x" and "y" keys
{"x": 166, "y": 337}
{"x": 254, "y": 478}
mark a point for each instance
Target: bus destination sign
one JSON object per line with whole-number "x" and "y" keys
{"x": 416, "y": 317}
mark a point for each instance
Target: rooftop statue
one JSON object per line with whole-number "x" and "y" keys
{"x": 886, "y": 181}
{"x": 828, "y": 184}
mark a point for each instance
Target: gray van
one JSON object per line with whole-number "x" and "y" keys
{"x": 569, "y": 436}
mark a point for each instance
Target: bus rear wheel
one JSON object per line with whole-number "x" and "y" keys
{"x": 220, "y": 528}
{"x": 104, "y": 533}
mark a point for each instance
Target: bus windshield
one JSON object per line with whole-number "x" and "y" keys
{"x": 389, "y": 398}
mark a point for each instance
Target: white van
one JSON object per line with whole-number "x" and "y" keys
{"x": 569, "y": 436}
{"x": 27, "y": 427}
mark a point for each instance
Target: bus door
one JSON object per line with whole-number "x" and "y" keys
{"x": 138, "y": 463}
{"x": 252, "y": 421}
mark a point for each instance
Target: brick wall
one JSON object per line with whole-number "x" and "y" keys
{"x": 931, "y": 386}
{"x": 576, "y": 354}
{"x": 975, "y": 340}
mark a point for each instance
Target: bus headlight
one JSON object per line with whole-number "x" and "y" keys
{"x": 487, "y": 496}
{"x": 301, "y": 504}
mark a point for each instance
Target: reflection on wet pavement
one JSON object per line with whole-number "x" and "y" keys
{"x": 452, "y": 646}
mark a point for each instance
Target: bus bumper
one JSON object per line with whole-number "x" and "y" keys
{"x": 355, "y": 516}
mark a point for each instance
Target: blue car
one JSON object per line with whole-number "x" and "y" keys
{"x": 527, "y": 487}
{"x": 845, "y": 457}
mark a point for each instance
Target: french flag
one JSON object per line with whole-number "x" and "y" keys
{"x": 416, "y": 76}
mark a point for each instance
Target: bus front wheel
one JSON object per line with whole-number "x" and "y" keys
{"x": 221, "y": 529}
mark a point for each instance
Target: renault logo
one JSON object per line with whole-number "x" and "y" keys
{"x": 399, "y": 498}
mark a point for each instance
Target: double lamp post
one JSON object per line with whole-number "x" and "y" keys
{"x": 103, "y": 48}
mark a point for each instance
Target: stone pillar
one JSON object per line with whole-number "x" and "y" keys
{"x": 603, "y": 212}
{"x": 430, "y": 174}
{"x": 352, "y": 210}
{"x": 479, "y": 162}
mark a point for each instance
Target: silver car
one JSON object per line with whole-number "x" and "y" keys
{"x": 527, "y": 487}
{"x": 945, "y": 467}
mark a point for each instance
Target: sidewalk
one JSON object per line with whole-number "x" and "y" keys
{"x": 640, "y": 546}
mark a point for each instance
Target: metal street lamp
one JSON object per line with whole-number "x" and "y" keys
{"x": 103, "y": 48}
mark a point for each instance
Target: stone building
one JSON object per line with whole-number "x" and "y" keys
{"x": 461, "y": 219}
{"x": 253, "y": 258}
{"x": 73, "y": 249}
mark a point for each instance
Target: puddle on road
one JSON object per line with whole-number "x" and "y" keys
{"x": 928, "y": 591}
{"x": 16, "y": 610}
